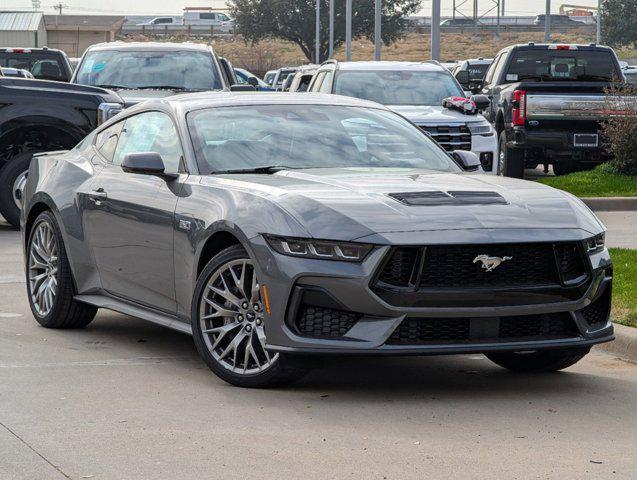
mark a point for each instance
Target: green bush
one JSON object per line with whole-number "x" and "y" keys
{"x": 620, "y": 127}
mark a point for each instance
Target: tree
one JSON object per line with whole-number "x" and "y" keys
{"x": 619, "y": 22}
{"x": 294, "y": 20}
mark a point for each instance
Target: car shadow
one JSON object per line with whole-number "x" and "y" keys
{"x": 369, "y": 379}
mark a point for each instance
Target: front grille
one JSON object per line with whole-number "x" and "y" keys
{"x": 456, "y": 266}
{"x": 459, "y": 266}
{"x": 597, "y": 312}
{"x": 314, "y": 321}
{"x": 417, "y": 331}
{"x": 421, "y": 330}
{"x": 545, "y": 326}
{"x": 450, "y": 138}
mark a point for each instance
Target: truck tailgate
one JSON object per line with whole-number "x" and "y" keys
{"x": 564, "y": 106}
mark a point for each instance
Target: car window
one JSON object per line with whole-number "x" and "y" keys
{"x": 398, "y": 87}
{"x": 106, "y": 140}
{"x": 310, "y": 136}
{"x": 45, "y": 66}
{"x": 488, "y": 77}
{"x": 317, "y": 82}
{"x": 151, "y": 132}
{"x": 326, "y": 86}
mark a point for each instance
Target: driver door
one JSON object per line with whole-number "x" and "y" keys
{"x": 130, "y": 218}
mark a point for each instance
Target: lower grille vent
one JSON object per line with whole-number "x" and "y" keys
{"x": 597, "y": 312}
{"x": 314, "y": 321}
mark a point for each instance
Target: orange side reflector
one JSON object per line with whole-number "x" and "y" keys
{"x": 264, "y": 290}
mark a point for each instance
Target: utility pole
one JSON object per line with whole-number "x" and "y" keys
{"x": 377, "y": 17}
{"x": 331, "y": 29}
{"x": 348, "y": 30}
{"x": 36, "y": 4}
{"x": 598, "y": 31}
{"x": 317, "y": 44}
{"x": 59, "y": 8}
{"x": 547, "y": 22}
{"x": 502, "y": 4}
{"x": 435, "y": 30}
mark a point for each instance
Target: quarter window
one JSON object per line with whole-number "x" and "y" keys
{"x": 326, "y": 86}
{"x": 151, "y": 132}
{"x": 106, "y": 141}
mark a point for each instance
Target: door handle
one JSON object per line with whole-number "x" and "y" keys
{"x": 96, "y": 196}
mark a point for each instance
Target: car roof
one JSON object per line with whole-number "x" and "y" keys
{"x": 479, "y": 61}
{"x": 391, "y": 65}
{"x": 197, "y": 101}
{"x": 165, "y": 46}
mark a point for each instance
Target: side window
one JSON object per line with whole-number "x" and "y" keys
{"x": 326, "y": 86}
{"x": 150, "y": 132}
{"x": 106, "y": 141}
{"x": 317, "y": 81}
{"x": 489, "y": 75}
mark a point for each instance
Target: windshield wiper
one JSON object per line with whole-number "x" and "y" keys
{"x": 161, "y": 87}
{"x": 261, "y": 169}
{"x": 112, "y": 87}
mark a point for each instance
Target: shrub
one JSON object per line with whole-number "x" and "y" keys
{"x": 620, "y": 127}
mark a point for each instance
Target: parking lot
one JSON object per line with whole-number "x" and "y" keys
{"x": 127, "y": 399}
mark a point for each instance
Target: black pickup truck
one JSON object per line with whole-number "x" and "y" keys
{"x": 547, "y": 102}
{"x": 40, "y": 116}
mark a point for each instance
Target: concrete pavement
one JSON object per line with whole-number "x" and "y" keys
{"x": 124, "y": 399}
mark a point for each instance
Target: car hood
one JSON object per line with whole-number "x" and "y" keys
{"x": 434, "y": 115}
{"x": 133, "y": 97}
{"x": 352, "y": 203}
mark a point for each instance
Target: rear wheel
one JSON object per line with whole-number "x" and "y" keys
{"x": 511, "y": 161}
{"x": 540, "y": 360}
{"x": 50, "y": 284}
{"x": 563, "y": 167}
{"x": 228, "y": 324}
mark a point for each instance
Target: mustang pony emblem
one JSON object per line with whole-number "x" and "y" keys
{"x": 490, "y": 263}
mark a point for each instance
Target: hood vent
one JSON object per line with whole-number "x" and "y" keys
{"x": 462, "y": 197}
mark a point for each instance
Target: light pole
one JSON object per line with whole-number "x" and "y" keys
{"x": 598, "y": 31}
{"x": 348, "y": 30}
{"x": 331, "y": 28}
{"x": 435, "y": 30}
{"x": 547, "y": 22}
{"x": 317, "y": 43}
{"x": 377, "y": 8}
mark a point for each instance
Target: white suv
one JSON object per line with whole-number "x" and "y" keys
{"x": 416, "y": 91}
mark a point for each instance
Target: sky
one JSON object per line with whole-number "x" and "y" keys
{"x": 156, "y": 7}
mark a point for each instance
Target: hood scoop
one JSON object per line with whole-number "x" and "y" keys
{"x": 461, "y": 197}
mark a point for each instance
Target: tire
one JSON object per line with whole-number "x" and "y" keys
{"x": 563, "y": 167}
{"x": 511, "y": 161}
{"x": 539, "y": 361}
{"x": 57, "y": 309}
{"x": 234, "y": 350}
{"x": 9, "y": 176}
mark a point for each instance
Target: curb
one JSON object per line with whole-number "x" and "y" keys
{"x": 611, "y": 204}
{"x": 624, "y": 345}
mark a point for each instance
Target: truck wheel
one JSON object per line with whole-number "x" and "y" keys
{"x": 511, "y": 161}
{"x": 563, "y": 167}
{"x": 539, "y": 361}
{"x": 12, "y": 179}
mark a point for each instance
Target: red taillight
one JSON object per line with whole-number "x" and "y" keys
{"x": 519, "y": 109}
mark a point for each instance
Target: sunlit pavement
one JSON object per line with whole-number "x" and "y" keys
{"x": 124, "y": 399}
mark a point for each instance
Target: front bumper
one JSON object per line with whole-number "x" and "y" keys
{"x": 346, "y": 287}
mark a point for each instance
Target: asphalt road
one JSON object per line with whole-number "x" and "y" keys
{"x": 124, "y": 399}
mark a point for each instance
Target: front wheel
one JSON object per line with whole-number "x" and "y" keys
{"x": 510, "y": 161}
{"x": 13, "y": 176}
{"x": 228, "y": 324}
{"x": 540, "y": 360}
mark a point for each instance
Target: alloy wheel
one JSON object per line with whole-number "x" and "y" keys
{"x": 43, "y": 268}
{"x": 231, "y": 319}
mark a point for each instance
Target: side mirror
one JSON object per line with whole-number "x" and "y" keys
{"x": 463, "y": 77}
{"x": 468, "y": 161}
{"x": 144, "y": 163}
{"x": 253, "y": 81}
{"x": 482, "y": 101}
{"x": 242, "y": 88}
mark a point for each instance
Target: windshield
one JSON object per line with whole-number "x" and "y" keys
{"x": 406, "y": 87}
{"x": 41, "y": 65}
{"x": 477, "y": 71}
{"x": 284, "y": 75}
{"x": 562, "y": 65}
{"x": 310, "y": 136}
{"x": 184, "y": 70}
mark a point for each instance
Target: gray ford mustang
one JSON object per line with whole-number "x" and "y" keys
{"x": 278, "y": 227}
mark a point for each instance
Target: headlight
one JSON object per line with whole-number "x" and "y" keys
{"x": 319, "y": 249}
{"x": 483, "y": 128}
{"x": 106, "y": 111}
{"x": 596, "y": 243}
